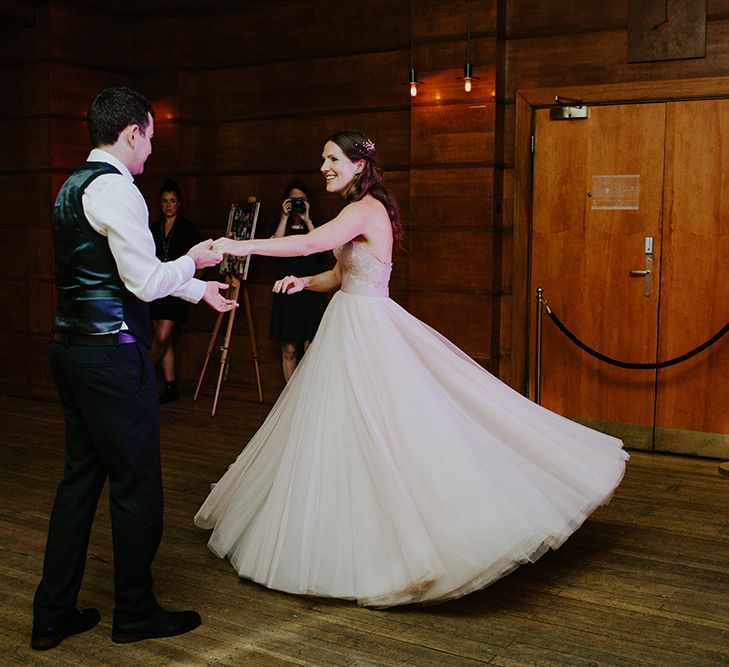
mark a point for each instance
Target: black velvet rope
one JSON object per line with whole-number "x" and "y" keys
{"x": 629, "y": 364}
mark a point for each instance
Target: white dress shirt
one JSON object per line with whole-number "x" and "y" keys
{"x": 116, "y": 209}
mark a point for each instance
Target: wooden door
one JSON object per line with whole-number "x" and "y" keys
{"x": 692, "y": 412}
{"x": 583, "y": 253}
{"x": 585, "y": 242}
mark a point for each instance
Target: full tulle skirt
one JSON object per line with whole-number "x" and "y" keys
{"x": 394, "y": 469}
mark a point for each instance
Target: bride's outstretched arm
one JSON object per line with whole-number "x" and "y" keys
{"x": 328, "y": 281}
{"x": 350, "y": 223}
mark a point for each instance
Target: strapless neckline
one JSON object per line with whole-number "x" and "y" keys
{"x": 363, "y": 273}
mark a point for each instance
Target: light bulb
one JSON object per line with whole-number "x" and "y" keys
{"x": 413, "y": 89}
{"x": 467, "y": 85}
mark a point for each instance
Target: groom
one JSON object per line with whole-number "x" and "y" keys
{"x": 106, "y": 269}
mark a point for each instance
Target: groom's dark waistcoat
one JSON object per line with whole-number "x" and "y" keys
{"x": 92, "y": 298}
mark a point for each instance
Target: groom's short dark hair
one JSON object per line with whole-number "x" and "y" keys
{"x": 112, "y": 110}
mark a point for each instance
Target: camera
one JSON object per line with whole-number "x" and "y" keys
{"x": 298, "y": 205}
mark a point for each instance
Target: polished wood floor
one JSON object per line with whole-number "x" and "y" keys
{"x": 644, "y": 582}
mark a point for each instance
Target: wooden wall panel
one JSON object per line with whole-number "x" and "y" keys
{"x": 13, "y": 303}
{"x": 69, "y": 144}
{"x": 26, "y": 199}
{"x": 449, "y": 134}
{"x": 463, "y": 318}
{"x": 14, "y": 15}
{"x": 526, "y": 18}
{"x": 33, "y": 88}
{"x": 40, "y": 257}
{"x": 164, "y": 160}
{"x": 262, "y": 33}
{"x": 15, "y": 355}
{"x": 297, "y": 89}
{"x": 589, "y": 58}
{"x": 74, "y": 86}
{"x": 24, "y": 25}
{"x": 11, "y": 83}
{"x": 438, "y": 20}
{"x": 90, "y": 36}
{"x": 41, "y": 308}
{"x": 160, "y": 44}
{"x": 453, "y": 195}
{"x": 37, "y": 368}
{"x": 437, "y": 259}
{"x": 24, "y": 187}
{"x": 26, "y": 145}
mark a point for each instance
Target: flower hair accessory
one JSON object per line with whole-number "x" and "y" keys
{"x": 368, "y": 146}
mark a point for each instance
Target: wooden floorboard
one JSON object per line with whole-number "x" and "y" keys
{"x": 644, "y": 582}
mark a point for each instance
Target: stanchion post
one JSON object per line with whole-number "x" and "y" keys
{"x": 538, "y": 351}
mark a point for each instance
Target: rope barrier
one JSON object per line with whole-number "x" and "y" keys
{"x": 628, "y": 364}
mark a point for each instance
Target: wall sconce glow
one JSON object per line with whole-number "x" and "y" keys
{"x": 164, "y": 109}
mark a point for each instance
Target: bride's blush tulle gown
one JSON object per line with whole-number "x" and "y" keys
{"x": 394, "y": 469}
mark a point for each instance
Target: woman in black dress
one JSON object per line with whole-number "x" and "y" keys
{"x": 295, "y": 318}
{"x": 173, "y": 236}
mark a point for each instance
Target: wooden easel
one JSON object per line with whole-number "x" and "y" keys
{"x": 235, "y": 284}
{"x": 240, "y": 226}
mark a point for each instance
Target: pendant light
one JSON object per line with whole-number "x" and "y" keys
{"x": 468, "y": 77}
{"x": 413, "y": 82}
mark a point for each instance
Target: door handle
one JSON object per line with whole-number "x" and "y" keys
{"x": 646, "y": 273}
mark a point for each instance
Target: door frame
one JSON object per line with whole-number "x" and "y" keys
{"x": 527, "y": 100}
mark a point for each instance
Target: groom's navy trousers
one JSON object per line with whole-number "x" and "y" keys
{"x": 109, "y": 399}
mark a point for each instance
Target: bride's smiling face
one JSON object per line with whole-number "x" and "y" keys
{"x": 338, "y": 170}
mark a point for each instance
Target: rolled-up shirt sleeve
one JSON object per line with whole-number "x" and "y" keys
{"x": 116, "y": 209}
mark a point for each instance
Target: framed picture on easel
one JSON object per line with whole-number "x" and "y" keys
{"x": 241, "y": 227}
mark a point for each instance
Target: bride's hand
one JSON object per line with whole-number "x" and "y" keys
{"x": 289, "y": 285}
{"x": 219, "y": 245}
{"x": 226, "y": 246}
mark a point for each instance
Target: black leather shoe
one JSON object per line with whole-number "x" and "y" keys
{"x": 170, "y": 394}
{"x": 48, "y": 636}
{"x": 161, "y": 624}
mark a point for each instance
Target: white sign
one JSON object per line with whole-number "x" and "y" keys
{"x": 620, "y": 192}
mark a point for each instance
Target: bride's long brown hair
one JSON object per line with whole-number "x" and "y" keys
{"x": 356, "y": 146}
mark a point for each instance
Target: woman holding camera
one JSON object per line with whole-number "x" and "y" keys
{"x": 295, "y": 319}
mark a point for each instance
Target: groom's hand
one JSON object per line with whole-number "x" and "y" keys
{"x": 215, "y": 299}
{"x": 203, "y": 255}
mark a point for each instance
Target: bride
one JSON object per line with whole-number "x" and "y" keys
{"x": 393, "y": 468}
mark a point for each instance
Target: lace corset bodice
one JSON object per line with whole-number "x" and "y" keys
{"x": 362, "y": 273}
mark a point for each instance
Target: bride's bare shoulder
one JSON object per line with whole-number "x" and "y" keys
{"x": 371, "y": 207}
